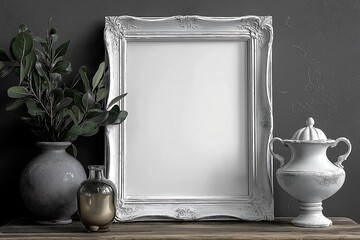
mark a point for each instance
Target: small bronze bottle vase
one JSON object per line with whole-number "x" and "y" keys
{"x": 97, "y": 200}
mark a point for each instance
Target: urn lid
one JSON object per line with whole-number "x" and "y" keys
{"x": 309, "y": 133}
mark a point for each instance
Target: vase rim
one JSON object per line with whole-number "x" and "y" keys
{"x": 53, "y": 143}
{"x": 60, "y": 145}
{"x": 327, "y": 141}
{"x": 96, "y": 167}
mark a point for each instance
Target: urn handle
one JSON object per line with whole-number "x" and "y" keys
{"x": 277, "y": 156}
{"x": 344, "y": 156}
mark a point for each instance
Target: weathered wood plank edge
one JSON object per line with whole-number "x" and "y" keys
{"x": 343, "y": 228}
{"x": 264, "y": 236}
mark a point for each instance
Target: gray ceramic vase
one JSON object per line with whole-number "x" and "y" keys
{"x": 49, "y": 184}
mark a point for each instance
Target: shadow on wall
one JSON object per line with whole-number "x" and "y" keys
{"x": 18, "y": 143}
{"x": 17, "y": 148}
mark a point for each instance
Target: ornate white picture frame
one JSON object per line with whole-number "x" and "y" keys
{"x": 195, "y": 145}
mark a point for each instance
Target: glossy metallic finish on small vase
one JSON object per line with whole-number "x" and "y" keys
{"x": 96, "y": 201}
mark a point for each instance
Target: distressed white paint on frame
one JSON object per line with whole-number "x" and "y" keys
{"x": 172, "y": 166}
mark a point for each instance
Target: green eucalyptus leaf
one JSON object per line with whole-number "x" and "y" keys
{"x": 53, "y": 84}
{"x": 40, "y": 55}
{"x": 22, "y": 45}
{"x": 98, "y": 75}
{"x": 99, "y": 117}
{"x": 75, "y": 81}
{"x": 45, "y": 47}
{"x": 55, "y": 77}
{"x": 2, "y": 65}
{"x": 33, "y": 108}
{"x": 121, "y": 117}
{"x": 85, "y": 80}
{"x": 55, "y": 61}
{"x": 89, "y": 128}
{"x": 78, "y": 101}
{"x": 11, "y": 50}
{"x": 75, "y": 110}
{"x": 64, "y": 103}
{"x": 60, "y": 118}
{"x": 77, "y": 113}
{"x": 58, "y": 94}
{"x": 101, "y": 94}
{"x": 41, "y": 70}
{"x": 22, "y": 73}
{"x": 117, "y": 99}
{"x": 93, "y": 114}
{"x": 96, "y": 110}
{"x": 3, "y": 56}
{"x": 45, "y": 86}
{"x": 27, "y": 120}
{"x": 5, "y": 71}
{"x": 104, "y": 80}
{"x": 70, "y": 92}
{"x": 30, "y": 61}
{"x": 62, "y": 49}
{"x": 38, "y": 39}
{"x": 72, "y": 116}
{"x": 65, "y": 125}
{"x": 70, "y": 137}
{"x": 15, "y": 104}
{"x": 88, "y": 101}
{"x": 17, "y": 92}
{"x": 62, "y": 67}
{"x": 73, "y": 133}
{"x": 36, "y": 81}
{"x": 69, "y": 69}
{"x": 113, "y": 115}
{"x": 36, "y": 112}
{"x": 31, "y": 104}
{"x": 74, "y": 149}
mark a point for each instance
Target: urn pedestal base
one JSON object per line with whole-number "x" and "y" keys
{"x": 311, "y": 216}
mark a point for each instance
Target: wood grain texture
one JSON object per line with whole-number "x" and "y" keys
{"x": 343, "y": 228}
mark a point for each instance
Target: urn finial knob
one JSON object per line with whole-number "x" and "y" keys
{"x": 310, "y": 122}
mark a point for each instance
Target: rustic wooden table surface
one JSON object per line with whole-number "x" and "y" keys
{"x": 343, "y": 228}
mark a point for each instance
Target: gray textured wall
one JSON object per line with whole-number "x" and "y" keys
{"x": 315, "y": 73}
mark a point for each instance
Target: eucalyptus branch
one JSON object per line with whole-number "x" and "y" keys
{"x": 57, "y": 113}
{"x": 39, "y": 100}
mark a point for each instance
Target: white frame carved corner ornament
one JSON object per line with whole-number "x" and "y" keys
{"x": 190, "y": 22}
{"x": 186, "y": 214}
{"x": 257, "y": 31}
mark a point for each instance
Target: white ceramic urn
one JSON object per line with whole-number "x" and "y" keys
{"x": 309, "y": 176}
